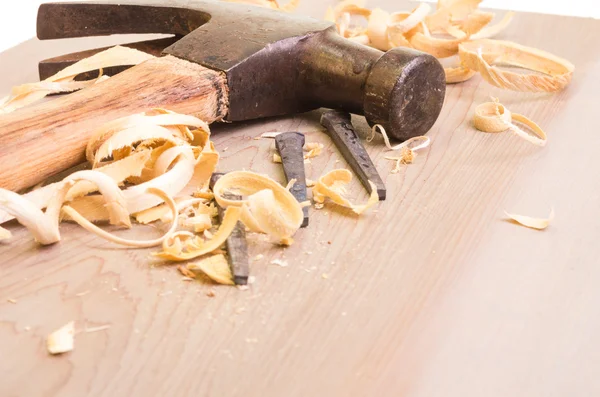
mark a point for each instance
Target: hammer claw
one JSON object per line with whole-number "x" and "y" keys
{"x": 66, "y": 20}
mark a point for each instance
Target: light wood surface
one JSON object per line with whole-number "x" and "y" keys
{"x": 37, "y": 142}
{"x": 433, "y": 295}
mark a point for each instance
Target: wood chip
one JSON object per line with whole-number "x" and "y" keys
{"x": 279, "y": 262}
{"x": 62, "y": 340}
{"x": 530, "y": 222}
{"x": 333, "y": 186}
{"x": 215, "y": 267}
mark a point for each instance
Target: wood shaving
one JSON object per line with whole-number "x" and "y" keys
{"x": 181, "y": 246}
{"x": 310, "y": 183}
{"x": 533, "y": 223}
{"x": 313, "y": 149}
{"x": 407, "y": 156}
{"x": 5, "y": 234}
{"x": 62, "y": 340}
{"x": 215, "y": 267}
{"x": 187, "y": 273}
{"x": 270, "y": 135}
{"x": 13, "y": 301}
{"x": 279, "y": 262}
{"x": 494, "y": 117}
{"x": 415, "y": 143}
{"x": 333, "y": 186}
{"x": 552, "y": 73}
{"x": 454, "y": 24}
{"x": 63, "y": 81}
{"x": 97, "y": 329}
{"x": 267, "y": 207}
{"x": 277, "y": 158}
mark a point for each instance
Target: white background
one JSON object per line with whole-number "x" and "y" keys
{"x": 18, "y": 17}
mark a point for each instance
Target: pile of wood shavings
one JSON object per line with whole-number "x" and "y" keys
{"x": 155, "y": 167}
{"x": 456, "y": 28}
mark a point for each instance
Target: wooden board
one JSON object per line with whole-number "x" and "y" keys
{"x": 433, "y": 295}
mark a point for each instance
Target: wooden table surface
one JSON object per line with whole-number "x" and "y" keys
{"x": 435, "y": 294}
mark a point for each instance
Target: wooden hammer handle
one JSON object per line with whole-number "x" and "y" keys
{"x": 39, "y": 141}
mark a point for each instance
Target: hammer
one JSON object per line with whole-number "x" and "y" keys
{"x": 233, "y": 62}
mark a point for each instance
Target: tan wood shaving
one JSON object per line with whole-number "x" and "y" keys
{"x": 453, "y": 24}
{"x": 458, "y": 74}
{"x": 44, "y": 226}
{"x": 313, "y": 149}
{"x": 414, "y": 143}
{"x": 82, "y": 221}
{"x": 62, "y": 340}
{"x": 407, "y": 156}
{"x": 63, "y": 81}
{"x": 181, "y": 246}
{"x": 530, "y": 222}
{"x": 215, "y": 267}
{"x": 333, "y": 186}
{"x": 186, "y": 272}
{"x": 553, "y": 73}
{"x": 267, "y": 207}
{"x": 5, "y": 234}
{"x": 494, "y": 117}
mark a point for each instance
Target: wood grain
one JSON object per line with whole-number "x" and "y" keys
{"x": 433, "y": 295}
{"x": 45, "y": 139}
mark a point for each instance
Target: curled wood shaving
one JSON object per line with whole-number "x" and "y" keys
{"x": 458, "y": 74}
{"x": 414, "y": 143}
{"x": 553, "y": 73}
{"x": 63, "y": 81}
{"x": 267, "y": 207}
{"x": 62, "y": 340}
{"x": 215, "y": 267}
{"x": 494, "y": 117}
{"x": 118, "y": 171}
{"x": 491, "y": 31}
{"x": 407, "y": 156}
{"x": 333, "y": 186}
{"x": 183, "y": 245}
{"x": 533, "y": 223}
{"x": 459, "y": 22}
{"x": 82, "y": 221}
{"x": 44, "y": 226}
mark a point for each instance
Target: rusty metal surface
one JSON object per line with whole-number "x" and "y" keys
{"x": 340, "y": 130}
{"x": 276, "y": 63}
{"x": 290, "y": 147}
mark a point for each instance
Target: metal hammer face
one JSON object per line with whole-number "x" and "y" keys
{"x": 276, "y": 63}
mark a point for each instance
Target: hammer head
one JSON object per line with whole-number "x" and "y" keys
{"x": 276, "y": 63}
